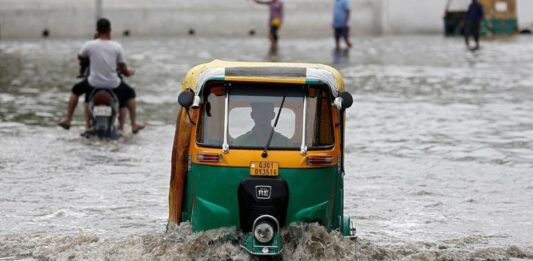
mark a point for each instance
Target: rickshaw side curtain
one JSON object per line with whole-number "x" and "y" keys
{"x": 325, "y": 136}
{"x": 323, "y": 125}
{"x": 179, "y": 163}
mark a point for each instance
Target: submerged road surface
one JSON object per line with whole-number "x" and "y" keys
{"x": 439, "y": 152}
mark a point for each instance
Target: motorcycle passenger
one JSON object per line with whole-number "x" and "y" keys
{"x": 104, "y": 58}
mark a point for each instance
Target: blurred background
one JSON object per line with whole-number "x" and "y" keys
{"x": 303, "y": 18}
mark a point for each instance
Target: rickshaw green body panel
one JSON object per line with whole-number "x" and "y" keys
{"x": 315, "y": 195}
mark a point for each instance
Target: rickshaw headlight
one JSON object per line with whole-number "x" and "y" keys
{"x": 264, "y": 232}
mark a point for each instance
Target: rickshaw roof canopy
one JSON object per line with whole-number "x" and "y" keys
{"x": 264, "y": 72}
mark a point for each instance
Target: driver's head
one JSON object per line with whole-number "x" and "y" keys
{"x": 103, "y": 26}
{"x": 262, "y": 113}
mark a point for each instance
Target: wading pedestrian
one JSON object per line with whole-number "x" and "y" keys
{"x": 341, "y": 22}
{"x": 473, "y": 19}
{"x": 275, "y": 20}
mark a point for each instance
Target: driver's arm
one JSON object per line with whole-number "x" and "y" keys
{"x": 123, "y": 68}
{"x": 83, "y": 57}
{"x": 121, "y": 63}
{"x": 84, "y": 64}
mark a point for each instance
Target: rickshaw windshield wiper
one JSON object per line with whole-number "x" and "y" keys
{"x": 265, "y": 154}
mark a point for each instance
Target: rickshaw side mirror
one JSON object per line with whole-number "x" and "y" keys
{"x": 344, "y": 101}
{"x": 186, "y": 99}
{"x": 347, "y": 100}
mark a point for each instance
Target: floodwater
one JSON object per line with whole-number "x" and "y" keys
{"x": 439, "y": 153}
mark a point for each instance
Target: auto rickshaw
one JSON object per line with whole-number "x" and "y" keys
{"x": 259, "y": 146}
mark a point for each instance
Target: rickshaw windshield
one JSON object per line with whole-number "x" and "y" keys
{"x": 243, "y": 117}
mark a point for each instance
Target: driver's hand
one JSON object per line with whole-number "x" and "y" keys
{"x": 130, "y": 72}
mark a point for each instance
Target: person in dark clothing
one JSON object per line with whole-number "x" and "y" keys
{"x": 474, "y": 16}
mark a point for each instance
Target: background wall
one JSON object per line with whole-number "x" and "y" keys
{"x": 413, "y": 16}
{"x": 525, "y": 13}
{"x": 308, "y": 18}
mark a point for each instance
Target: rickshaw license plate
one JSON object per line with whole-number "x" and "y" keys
{"x": 102, "y": 111}
{"x": 264, "y": 168}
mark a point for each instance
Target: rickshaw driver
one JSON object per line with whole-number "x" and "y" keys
{"x": 262, "y": 114}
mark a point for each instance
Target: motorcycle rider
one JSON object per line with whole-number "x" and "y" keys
{"x": 105, "y": 57}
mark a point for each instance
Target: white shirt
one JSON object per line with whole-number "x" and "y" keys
{"x": 104, "y": 55}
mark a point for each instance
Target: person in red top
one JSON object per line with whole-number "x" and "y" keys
{"x": 275, "y": 20}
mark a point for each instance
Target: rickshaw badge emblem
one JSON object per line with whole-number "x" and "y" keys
{"x": 263, "y": 192}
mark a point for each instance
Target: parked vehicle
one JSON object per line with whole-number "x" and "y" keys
{"x": 500, "y": 17}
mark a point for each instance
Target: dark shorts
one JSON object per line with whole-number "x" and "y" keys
{"x": 274, "y": 32}
{"x": 472, "y": 29}
{"x": 341, "y": 31}
{"x": 123, "y": 92}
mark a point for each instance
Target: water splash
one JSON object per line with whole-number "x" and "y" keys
{"x": 302, "y": 242}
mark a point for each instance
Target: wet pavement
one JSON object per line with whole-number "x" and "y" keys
{"x": 439, "y": 151}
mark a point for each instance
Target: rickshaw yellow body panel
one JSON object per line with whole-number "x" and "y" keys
{"x": 242, "y": 158}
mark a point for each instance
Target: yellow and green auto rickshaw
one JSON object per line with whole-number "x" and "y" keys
{"x": 259, "y": 146}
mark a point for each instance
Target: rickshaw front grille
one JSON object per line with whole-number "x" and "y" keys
{"x": 262, "y": 210}
{"x": 262, "y": 196}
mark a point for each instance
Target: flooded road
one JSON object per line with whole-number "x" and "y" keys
{"x": 439, "y": 152}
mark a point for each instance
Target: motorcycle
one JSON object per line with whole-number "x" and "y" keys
{"x": 103, "y": 111}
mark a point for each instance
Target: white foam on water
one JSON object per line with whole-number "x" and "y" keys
{"x": 301, "y": 242}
